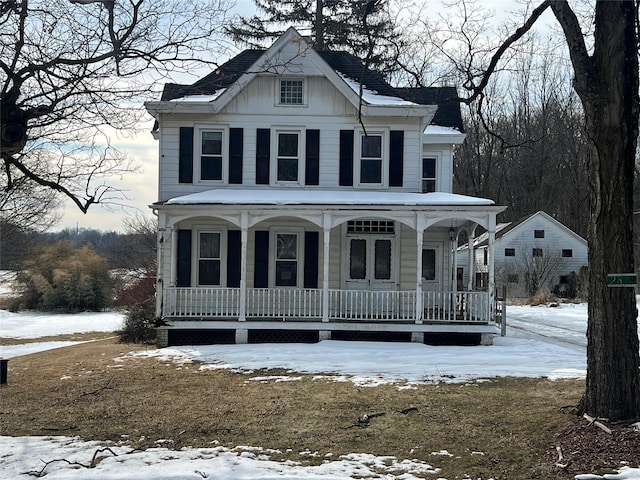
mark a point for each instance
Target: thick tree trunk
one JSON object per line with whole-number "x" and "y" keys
{"x": 608, "y": 87}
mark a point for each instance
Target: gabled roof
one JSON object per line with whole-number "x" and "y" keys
{"x": 344, "y": 63}
{"x": 504, "y": 228}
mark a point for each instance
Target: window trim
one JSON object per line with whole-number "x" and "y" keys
{"x": 278, "y": 91}
{"x": 383, "y": 133}
{"x": 195, "y": 254}
{"x": 197, "y": 153}
{"x": 273, "y": 236}
{"x": 302, "y": 147}
{"x": 423, "y": 178}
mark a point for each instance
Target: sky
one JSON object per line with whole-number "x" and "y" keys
{"x": 140, "y": 188}
{"x": 540, "y": 341}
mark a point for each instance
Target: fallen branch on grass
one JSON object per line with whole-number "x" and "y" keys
{"x": 560, "y": 459}
{"x": 594, "y": 421}
{"x": 94, "y": 462}
{"x": 104, "y": 387}
{"x": 363, "y": 421}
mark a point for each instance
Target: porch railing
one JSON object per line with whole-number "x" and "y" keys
{"x": 372, "y": 305}
{"x": 344, "y": 305}
{"x": 284, "y": 303}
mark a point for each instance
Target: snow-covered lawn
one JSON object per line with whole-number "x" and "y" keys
{"x": 32, "y": 325}
{"x": 542, "y": 341}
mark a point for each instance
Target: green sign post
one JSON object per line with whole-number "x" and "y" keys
{"x": 622, "y": 280}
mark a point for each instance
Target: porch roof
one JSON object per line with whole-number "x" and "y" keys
{"x": 271, "y": 196}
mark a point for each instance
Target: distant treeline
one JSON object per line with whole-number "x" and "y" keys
{"x": 122, "y": 250}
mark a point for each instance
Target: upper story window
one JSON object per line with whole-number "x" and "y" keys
{"x": 537, "y": 252}
{"x": 371, "y": 159}
{"x": 291, "y": 92}
{"x": 538, "y": 234}
{"x": 509, "y": 252}
{"x": 211, "y": 153}
{"x": 428, "y": 175}
{"x": 567, "y": 252}
{"x": 288, "y": 157}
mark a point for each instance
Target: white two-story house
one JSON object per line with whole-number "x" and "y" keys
{"x": 302, "y": 198}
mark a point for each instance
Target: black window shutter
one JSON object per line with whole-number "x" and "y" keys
{"x": 396, "y": 158}
{"x": 311, "y": 259}
{"x": 261, "y": 269}
{"x": 346, "y": 157}
{"x": 184, "y": 259}
{"x": 234, "y": 245}
{"x": 263, "y": 148}
{"x": 185, "y": 156}
{"x": 236, "y": 136}
{"x": 312, "y": 165}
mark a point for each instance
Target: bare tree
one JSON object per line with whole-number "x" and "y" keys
{"x": 606, "y": 79}
{"x": 604, "y": 60}
{"x": 71, "y": 70}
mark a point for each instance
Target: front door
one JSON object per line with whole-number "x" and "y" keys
{"x": 370, "y": 263}
{"x": 370, "y": 272}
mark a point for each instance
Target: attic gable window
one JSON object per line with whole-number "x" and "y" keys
{"x": 291, "y": 92}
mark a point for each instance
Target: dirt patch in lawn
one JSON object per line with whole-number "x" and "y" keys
{"x": 502, "y": 429}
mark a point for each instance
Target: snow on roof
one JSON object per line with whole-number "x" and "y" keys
{"x": 200, "y": 98}
{"x": 438, "y": 130}
{"x": 372, "y": 97}
{"x": 229, "y": 196}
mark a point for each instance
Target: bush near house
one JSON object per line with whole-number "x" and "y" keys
{"x": 139, "y": 300}
{"x": 61, "y": 277}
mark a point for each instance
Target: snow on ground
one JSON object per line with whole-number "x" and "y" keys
{"x": 33, "y": 325}
{"x": 541, "y": 341}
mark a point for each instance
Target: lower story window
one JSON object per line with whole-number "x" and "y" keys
{"x": 209, "y": 258}
{"x": 429, "y": 264}
{"x": 286, "y": 260}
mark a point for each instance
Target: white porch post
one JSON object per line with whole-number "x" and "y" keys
{"x": 454, "y": 262}
{"x": 491, "y": 245}
{"x": 160, "y": 243}
{"x": 471, "y": 232}
{"x": 326, "y": 239}
{"x": 174, "y": 255}
{"x": 244, "y": 227}
{"x": 420, "y": 223}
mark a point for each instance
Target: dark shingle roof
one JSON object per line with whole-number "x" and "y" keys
{"x": 448, "y": 114}
{"x": 351, "y": 66}
{"x": 223, "y": 77}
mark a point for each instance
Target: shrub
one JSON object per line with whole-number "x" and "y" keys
{"x": 61, "y": 277}
{"x": 139, "y": 301}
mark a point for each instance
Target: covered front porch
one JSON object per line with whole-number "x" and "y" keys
{"x": 320, "y": 261}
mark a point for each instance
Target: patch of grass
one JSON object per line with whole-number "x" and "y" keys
{"x": 502, "y": 428}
